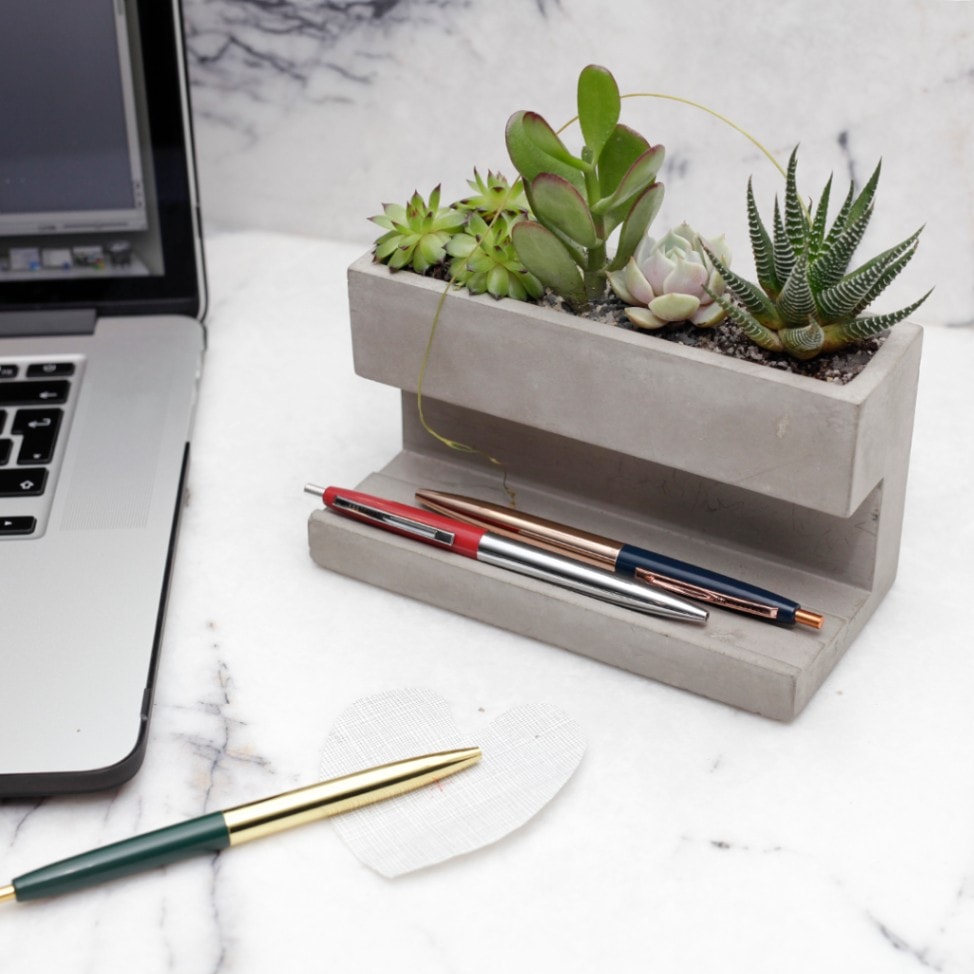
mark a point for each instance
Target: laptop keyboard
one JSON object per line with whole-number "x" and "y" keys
{"x": 36, "y": 397}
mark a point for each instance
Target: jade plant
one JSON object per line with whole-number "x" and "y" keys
{"x": 578, "y": 201}
{"x": 807, "y": 301}
{"x": 672, "y": 280}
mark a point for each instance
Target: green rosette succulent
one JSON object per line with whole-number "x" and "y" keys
{"x": 494, "y": 195}
{"x": 417, "y": 233}
{"x": 672, "y": 280}
{"x": 579, "y": 200}
{"x": 484, "y": 260}
{"x": 471, "y": 236}
{"x": 807, "y": 301}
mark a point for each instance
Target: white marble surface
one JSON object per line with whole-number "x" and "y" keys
{"x": 312, "y": 113}
{"x": 693, "y": 838}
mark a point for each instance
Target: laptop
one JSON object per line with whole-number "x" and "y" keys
{"x": 101, "y": 346}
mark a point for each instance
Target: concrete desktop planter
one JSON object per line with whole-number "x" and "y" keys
{"x": 789, "y": 482}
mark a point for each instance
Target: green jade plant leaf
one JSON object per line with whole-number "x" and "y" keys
{"x": 806, "y": 301}
{"x": 579, "y": 201}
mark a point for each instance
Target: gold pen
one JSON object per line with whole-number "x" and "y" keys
{"x": 218, "y": 830}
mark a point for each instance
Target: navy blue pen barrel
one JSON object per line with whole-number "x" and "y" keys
{"x": 632, "y": 560}
{"x": 206, "y": 834}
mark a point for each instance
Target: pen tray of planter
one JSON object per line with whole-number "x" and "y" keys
{"x": 792, "y": 483}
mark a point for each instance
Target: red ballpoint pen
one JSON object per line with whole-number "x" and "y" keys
{"x": 482, "y": 545}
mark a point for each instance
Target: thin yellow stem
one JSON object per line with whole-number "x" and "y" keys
{"x": 446, "y": 441}
{"x": 723, "y": 118}
{"x": 693, "y": 104}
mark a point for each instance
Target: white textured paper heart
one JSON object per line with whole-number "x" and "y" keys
{"x": 528, "y": 754}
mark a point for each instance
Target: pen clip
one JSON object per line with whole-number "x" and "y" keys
{"x": 397, "y": 522}
{"x": 702, "y": 594}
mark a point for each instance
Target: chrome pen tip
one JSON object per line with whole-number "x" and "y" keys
{"x": 314, "y": 489}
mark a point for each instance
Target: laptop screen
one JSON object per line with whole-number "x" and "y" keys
{"x": 96, "y": 199}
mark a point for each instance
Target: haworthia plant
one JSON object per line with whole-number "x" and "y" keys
{"x": 806, "y": 300}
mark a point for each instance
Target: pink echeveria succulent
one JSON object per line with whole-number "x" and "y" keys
{"x": 666, "y": 281}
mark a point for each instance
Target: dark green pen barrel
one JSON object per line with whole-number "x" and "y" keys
{"x": 206, "y": 834}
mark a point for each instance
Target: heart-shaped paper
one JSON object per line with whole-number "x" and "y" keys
{"x": 528, "y": 754}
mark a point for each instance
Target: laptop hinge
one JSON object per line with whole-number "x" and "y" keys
{"x": 25, "y": 324}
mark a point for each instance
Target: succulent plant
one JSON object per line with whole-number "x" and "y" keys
{"x": 484, "y": 259}
{"x": 672, "y": 280}
{"x": 473, "y": 234}
{"x": 578, "y": 201}
{"x": 417, "y": 233}
{"x": 494, "y": 195}
{"x": 808, "y": 302}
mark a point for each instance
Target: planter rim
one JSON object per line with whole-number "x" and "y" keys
{"x": 855, "y": 391}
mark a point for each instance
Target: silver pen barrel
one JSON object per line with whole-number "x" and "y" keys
{"x": 538, "y": 563}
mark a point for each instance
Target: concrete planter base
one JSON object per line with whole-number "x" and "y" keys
{"x": 791, "y": 483}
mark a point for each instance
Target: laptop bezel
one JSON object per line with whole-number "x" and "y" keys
{"x": 180, "y": 289}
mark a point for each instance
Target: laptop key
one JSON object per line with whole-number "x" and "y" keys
{"x": 5, "y": 448}
{"x": 8, "y": 370}
{"x": 16, "y": 525}
{"x": 34, "y": 393}
{"x": 39, "y": 428}
{"x": 22, "y": 482}
{"x": 47, "y": 370}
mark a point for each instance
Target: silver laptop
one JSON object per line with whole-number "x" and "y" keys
{"x": 101, "y": 345}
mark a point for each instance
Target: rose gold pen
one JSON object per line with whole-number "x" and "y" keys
{"x": 678, "y": 577}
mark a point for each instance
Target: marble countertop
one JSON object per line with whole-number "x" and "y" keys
{"x": 693, "y": 837}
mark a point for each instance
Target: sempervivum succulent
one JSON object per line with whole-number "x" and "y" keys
{"x": 495, "y": 195}
{"x": 484, "y": 259}
{"x": 808, "y": 301}
{"x": 672, "y": 280}
{"x": 417, "y": 233}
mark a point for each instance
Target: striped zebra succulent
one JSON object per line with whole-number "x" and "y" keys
{"x": 808, "y": 302}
